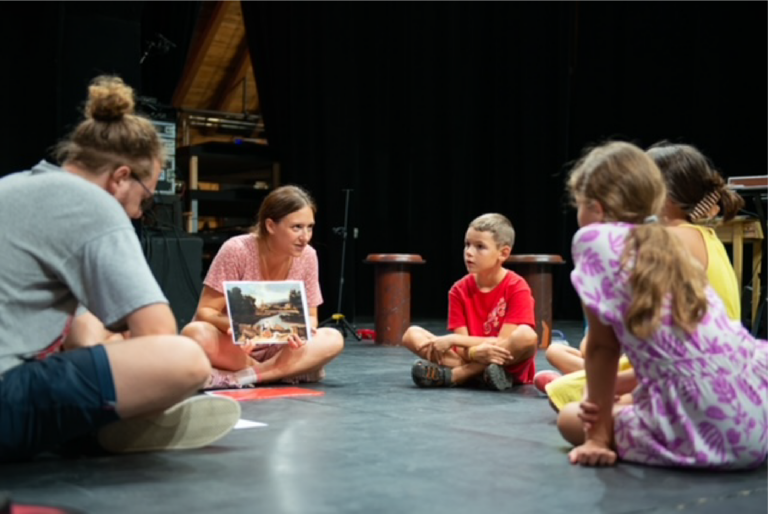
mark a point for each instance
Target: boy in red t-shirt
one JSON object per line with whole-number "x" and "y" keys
{"x": 490, "y": 312}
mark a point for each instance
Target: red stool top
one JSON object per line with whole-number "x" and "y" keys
{"x": 394, "y": 258}
{"x": 534, "y": 258}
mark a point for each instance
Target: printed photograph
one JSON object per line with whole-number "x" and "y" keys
{"x": 267, "y": 312}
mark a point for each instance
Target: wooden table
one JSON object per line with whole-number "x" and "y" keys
{"x": 736, "y": 232}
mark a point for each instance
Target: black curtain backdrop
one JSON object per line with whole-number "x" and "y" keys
{"x": 162, "y": 68}
{"x": 52, "y": 50}
{"x": 435, "y": 113}
{"x": 388, "y": 104}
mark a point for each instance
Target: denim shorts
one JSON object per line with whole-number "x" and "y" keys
{"x": 46, "y": 403}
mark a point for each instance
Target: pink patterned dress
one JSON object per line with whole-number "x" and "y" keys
{"x": 701, "y": 400}
{"x": 238, "y": 259}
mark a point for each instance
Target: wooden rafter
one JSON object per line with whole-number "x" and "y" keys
{"x": 198, "y": 52}
{"x": 231, "y": 85}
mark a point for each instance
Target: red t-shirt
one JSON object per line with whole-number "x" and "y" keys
{"x": 483, "y": 314}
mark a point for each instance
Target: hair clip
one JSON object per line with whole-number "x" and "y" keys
{"x": 701, "y": 210}
{"x": 651, "y": 219}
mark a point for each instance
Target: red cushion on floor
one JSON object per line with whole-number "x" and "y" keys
{"x": 266, "y": 393}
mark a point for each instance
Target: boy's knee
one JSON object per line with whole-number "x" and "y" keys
{"x": 410, "y": 334}
{"x": 526, "y": 341}
{"x": 530, "y": 338}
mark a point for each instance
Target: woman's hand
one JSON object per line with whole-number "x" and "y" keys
{"x": 487, "y": 353}
{"x": 248, "y": 346}
{"x": 592, "y": 453}
{"x": 295, "y": 342}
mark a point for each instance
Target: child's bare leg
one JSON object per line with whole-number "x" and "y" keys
{"x": 417, "y": 340}
{"x": 564, "y": 358}
{"x": 521, "y": 343}
{"x": 569, "y": 424}
{"x": 572, "y": 428}
{"x": 461, "y": 374}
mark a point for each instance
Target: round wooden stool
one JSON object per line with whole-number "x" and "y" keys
{"x": 392, "y": 297}
{"x": 536, "y": 269}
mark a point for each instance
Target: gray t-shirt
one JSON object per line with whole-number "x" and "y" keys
{"x": 64, "y": 242}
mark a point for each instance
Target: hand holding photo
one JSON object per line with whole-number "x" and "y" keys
{"x": 267, "y": 312}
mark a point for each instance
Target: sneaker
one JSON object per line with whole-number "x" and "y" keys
{"x": 544, "y": 377}
{"x": 193, "y": 423}
{"x": 429, "y": 374}
{"x": 496, "y": 377}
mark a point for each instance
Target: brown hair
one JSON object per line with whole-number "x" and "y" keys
{"x": 629, "y": 186}
{"x": 692, "y": 181}
{"x": 280, "y": 203}
{"x": 498, "y": 225}
{"x": 111, "y": 135}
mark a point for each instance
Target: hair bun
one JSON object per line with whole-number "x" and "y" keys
{"x": 109, "y": 99}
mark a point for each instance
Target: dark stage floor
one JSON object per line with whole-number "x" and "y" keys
{"x": 375, "y": 443}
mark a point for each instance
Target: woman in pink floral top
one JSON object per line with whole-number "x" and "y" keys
{"x": 700, "y": 401}
{"x": 277, "y": 249}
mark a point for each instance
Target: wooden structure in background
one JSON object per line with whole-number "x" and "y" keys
{"x": 222, "y": 154}
{"x": 218, "y": 64}
{"x": 737, "y": 232}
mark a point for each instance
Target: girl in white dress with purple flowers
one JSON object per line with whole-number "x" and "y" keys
{"x": 702, "y": 378}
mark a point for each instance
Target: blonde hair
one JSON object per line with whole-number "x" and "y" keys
{"x": 498, "y": 225}
{"x": 111, "y": 135}
{"x": 629, "y": 186}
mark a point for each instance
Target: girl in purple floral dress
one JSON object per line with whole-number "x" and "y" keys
{"x": 702, "y": 378}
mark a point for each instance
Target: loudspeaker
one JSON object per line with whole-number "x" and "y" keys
{"x": 176, "y": 261}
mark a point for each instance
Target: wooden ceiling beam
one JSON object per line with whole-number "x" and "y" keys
{"x": 231, "y": 85}
{"x": 199, "y": 49}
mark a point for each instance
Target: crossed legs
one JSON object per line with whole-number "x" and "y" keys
{"x": 326, "y": 344}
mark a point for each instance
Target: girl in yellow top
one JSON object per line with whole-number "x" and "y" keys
{"x": 695, "y": 194}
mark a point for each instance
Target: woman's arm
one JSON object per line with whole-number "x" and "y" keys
{"x": 212, "y": 309}
{"x": 313, "y": 317}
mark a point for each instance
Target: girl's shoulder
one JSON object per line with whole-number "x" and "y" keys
{"x": 597, "y": 233}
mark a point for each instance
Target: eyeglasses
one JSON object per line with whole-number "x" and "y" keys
{"x": 149, "y": 198}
